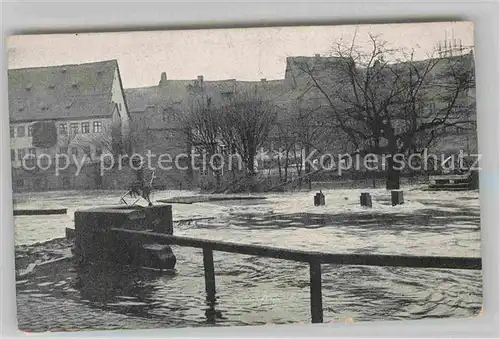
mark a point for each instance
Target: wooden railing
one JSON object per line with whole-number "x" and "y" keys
{"x": 315, "y": 259}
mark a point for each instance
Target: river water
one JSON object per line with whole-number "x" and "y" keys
{"x": 253, "y": 290}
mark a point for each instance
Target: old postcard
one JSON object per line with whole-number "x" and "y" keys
{"x": 253, "y": 176}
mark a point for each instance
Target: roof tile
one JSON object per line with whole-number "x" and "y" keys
{"x": 60, "y": 92}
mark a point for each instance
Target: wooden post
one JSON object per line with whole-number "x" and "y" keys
{"x": 365, "y": 200}
{"x": 208, "y": 265}
{"x": 397, "y": 198}
{"x": 316, "y": 297}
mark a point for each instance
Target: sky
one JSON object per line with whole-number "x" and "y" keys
{"x": 243, "y": 54}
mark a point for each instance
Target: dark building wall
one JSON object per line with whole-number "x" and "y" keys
{"x": 46, "y": 180}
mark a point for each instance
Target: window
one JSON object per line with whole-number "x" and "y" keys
{"x": 62, "y": 162}
{"x": 74, "y": 127}
{"x": 21, "y": 131}
{"x": 63, "y": 150}
{"x": 167, "y": 114}
{"x": 44, "y": 162}
{"x": 12, "y": 133}
{"x": 12, "y": 155}
{"x": 30, "y": 163}
{"x": 63, "y": 129}
{"x": 85, "y": 127}
{"x": 432, "y": 107}
{"x": 98, "y": 151}
{"x": 120, "y": 106}
{"x": 39, "y": 184}
{"x": 21, "y": 153}
{"x": 20, "y": 183}
{"x": 74, "y": 151}
{"x": 97, "y": 126}
{"x": 30, "y": 131}
{"x": 66, "y": 182}
{"x": 30, "y": 160}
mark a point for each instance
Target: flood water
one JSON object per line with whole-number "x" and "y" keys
{"x": 254, "y": 290}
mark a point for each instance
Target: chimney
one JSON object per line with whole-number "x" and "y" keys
{"x": 163, "y": 79}
{"x": 317, "y": 55}
{"x": 263, "y": 80}
{"x": 200, "y": 81}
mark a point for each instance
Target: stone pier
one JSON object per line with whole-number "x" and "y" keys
{"x": 95, "y": 242}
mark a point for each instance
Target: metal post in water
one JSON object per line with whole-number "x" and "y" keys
{"x": 316, "y": 296}
{"x": 208, "y": 265}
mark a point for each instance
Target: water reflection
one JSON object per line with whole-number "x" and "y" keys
{"x": 120, "y": 288}
{"x": 211, "y": 313}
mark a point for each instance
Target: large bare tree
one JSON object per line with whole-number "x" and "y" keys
{"x": 380, "y": 98}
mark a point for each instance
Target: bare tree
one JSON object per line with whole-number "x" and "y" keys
{"x": 310, "y": 129}
{"x": 381, "y": 101}
{"x": 284, "y": 144}
{"x": 246, "y": 121}
{"x": 201, "y": 121}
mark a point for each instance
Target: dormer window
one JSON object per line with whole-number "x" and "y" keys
{"x": 74, "y": 84}
{"x": 21, "y": 131}
{"x": 52, "y": 86}
{"x": 29, "y": 86}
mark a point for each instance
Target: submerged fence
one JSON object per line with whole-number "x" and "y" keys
{"x": 315, "y": 259}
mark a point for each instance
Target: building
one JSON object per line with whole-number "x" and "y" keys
{"x": 77, "y": 111}
{"x": 431, "y": 100}
{"x": 158, "y": 112}
{"x": 159, "y": 121}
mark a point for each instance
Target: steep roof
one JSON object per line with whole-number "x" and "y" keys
{"x": 177, "y": 92}
{"x": 61, "y": 92}
{"x": 140, "y": 98}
